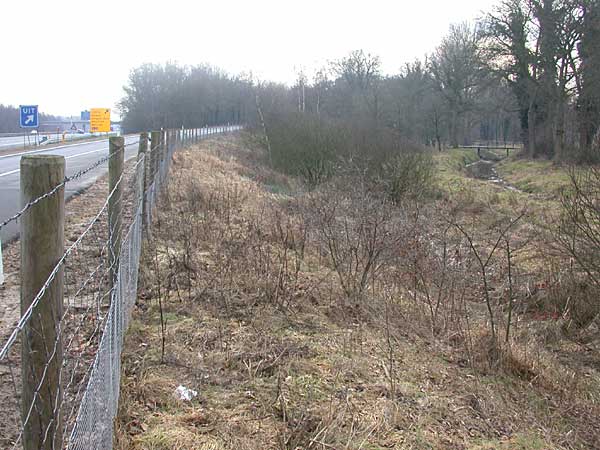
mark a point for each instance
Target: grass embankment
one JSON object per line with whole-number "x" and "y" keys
{"x": 542, "y": 177}
{"x": 275, "y": 361}
{"x": 537, "y": 184}
{"x": 454, "y": 182}
{"x": 534, "y": 177}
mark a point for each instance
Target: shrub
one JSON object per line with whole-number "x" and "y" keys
{"x": 408, "y": 174}
{"x": 578, "y": 237}
{"x": 306, "y": 146}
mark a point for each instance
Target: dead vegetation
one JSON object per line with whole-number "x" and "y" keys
{"x": 332, "y": 319}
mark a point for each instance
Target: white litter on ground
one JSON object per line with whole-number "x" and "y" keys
{"x": 183, "y": 393}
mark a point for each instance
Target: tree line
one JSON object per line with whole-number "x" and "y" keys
{"x": 9, "y": 119}
{"x": 173, "y": 96}
{"x": 526, "y": 72}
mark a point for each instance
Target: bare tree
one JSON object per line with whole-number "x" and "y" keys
{"x": 459, "y": 74}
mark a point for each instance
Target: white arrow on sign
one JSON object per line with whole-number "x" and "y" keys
{"x": 29, "y": 119}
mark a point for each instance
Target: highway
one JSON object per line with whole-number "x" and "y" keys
{"x": 13, "y": 141}
{"x": 16, "y": 142}
{"x": 77, "y": 157}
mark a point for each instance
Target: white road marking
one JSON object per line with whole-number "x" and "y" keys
{"x": 29, "y": 152}
{"x": 8, "y": 173}
{"x": 66, "y": 157}
{"x": 86, "y": 153}
{"x": 49, "y": 149}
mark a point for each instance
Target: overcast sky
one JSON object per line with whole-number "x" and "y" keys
{"x": 68, "y": 55}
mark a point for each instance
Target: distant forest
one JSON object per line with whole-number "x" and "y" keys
{"x": 527, "y": 71}
{"x": 9, "y": 119}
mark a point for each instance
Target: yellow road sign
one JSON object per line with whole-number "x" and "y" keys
{"x": 100, "y": 120}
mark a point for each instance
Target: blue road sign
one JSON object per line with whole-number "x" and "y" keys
{"x": 29, "y": 116}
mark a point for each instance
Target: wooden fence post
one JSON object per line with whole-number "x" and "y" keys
{"x": 143, "y": 151}
{"x": 115, "y": 217}
{"x": 155, "y": 148}
{"x": 42, "y": 246}
{"x": 163, "y": 148}
{"x": 1, "y": 265}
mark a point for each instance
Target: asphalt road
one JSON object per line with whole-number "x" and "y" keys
{"x": 16, "y": 142}
{"x": 77, "y": 156}
{"x": 8, "y": 142}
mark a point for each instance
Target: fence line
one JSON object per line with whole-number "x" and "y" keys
{"x": 60, "y": 185}
{"x": 82, "y": 346}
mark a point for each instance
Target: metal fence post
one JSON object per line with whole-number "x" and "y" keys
{"x": 42, "y": 246}
{"x": 115, "y": 218}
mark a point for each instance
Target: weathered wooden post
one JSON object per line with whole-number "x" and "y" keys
{"x": 115, "y": 204}
{"x": 42, "y": 246}
{"x": 143, "y": 153}
{"x": 1, "y": 265}
{"x": 168, "y": 141}
{"x": 163, "y": 152}
{"x": 155, "y": 149}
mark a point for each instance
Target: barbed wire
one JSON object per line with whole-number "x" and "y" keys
{"x": 27, "y": 314}
{"x": 93, "y": 317}
{"x": 62, "y": 184}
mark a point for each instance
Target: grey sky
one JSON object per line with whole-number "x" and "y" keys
{"x": 71, "y": 55}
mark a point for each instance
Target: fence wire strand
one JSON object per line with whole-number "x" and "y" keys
{"x": 62, "y": 184}
{"x": 98, "y": 295}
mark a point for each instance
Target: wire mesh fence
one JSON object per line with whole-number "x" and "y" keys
{"x": 60, "y": 365}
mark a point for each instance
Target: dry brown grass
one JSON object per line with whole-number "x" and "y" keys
{"x": 280, "y": 364}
